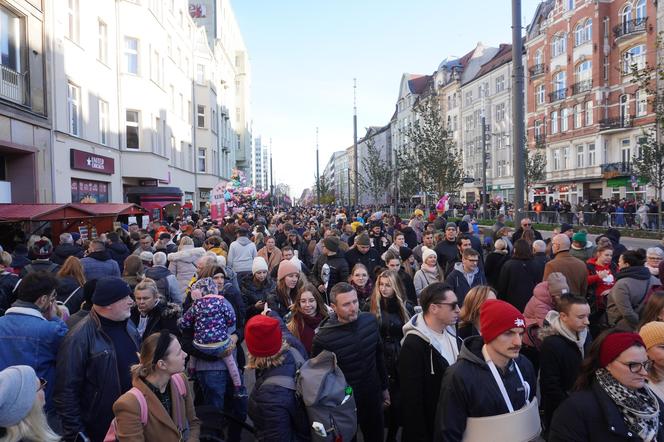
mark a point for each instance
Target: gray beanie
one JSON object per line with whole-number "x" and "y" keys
{"x": 18, "y": 390}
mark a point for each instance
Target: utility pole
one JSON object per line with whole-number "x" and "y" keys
{"x": 348, "y": 172}
{"x": 518, "y": 129}
{"x": 484, "y": 155}
{"x": 317, "y": 172}
{"x": 271, "y": 180}
{"x": 357, "y": 196}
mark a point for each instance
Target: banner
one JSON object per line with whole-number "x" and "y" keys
{"x": 218, "y": 201}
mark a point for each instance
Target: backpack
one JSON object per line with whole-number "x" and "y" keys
{"x": 182, "y": 423}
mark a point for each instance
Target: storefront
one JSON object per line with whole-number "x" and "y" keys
{"x": 627, "y": 187}
{"x": 84, "y": 189}
{"x": 160, "y": 202}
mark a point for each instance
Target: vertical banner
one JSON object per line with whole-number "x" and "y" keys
{"x": 218, "y": 201}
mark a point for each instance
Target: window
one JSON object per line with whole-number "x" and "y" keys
{"x": 154, "y": 66}
{"x": 578, "y": 116}
{"x": 591, "y": 154}
{"x": 560, "y": 82}
{"x": 641, "y": 103}
{"x": 500, "y": 83}
{"x": 74, "y": 108}
{"x": 565, "y": 158}
{"x": 131, "y": 55}
{"x": 132, "y": 129}
{"x": 73, "y": 23}
{"x": 485, "y": 88}
{"x": 156, "y": 137}
{"x": 584, "y": 71}
{"x": 173, "y": 150}
{"x": 200, "y": 73}
{"x": 554, "y": 122}
{"x": 569, "y": 5}
{"x": 455, "y": 122}
{"x": 539, "y": 57}
{"x": 171, "y": 89}
{"x": 589, "y": 113}
{"x": 103, "y": 122}
{"x": 500, "y": 112}
{"x": 583, "y": 32}
{"x": 11, "y": 36}
{"x": 580, "y": 155}
{"x": 626, "y": 17}
{"x": 624, "y": 108}
{"x": 558, "y": 45}
{"x": 556, "y": 159}
{"x": 634, "y": 58}
{"x": 214, "y": 121}
{"x": 201, "y": 159}
{"x": 200, "y": 115}
{"x": 538, "y": 128}
{"x": 564, "y": 120}
{"x": 449, "y": 102}
{"x": 181, "y": 108}
{"x": 640, "y": 11}
{"x": 540, "y": 94}
{"x": 625, "y": 151}
{"x": 102, "y": 51}
{"x": 469, "y": 97}
{"x": 606, "y": 67}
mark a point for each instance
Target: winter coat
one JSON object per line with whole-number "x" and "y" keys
{"x": 618, "y": 249}
{"x": 596, "y": 286}
{"x": 518, "y": 233}
{"x": 575, "y": 272}
{"x": 119, "y": 252}
{"x": 338, "y": 271}
{"x": 447, "y": 252}
{"x": 162, "y": 316}
{"x": 19, "y": 262}
{"x": 182, "y": 264}
{"x": 469, "y": 390}
{"x": 421, "y": 370}
{"x": 583, "y": 254}
{"x": 9, "y": 282}
{"x": 39, "y": 265}
{"x": 493, "y": 265}
{"x": 591, "y": 416}
{"x": 423, "y": 278}
{"x": 274, "y": 259}
{"x": 70, "y": 293}
{"x": 626, "y": 298}
{"x": 517, "y": 282}
{"x": 64, "y": 251}
{"x": 251, "y": 293}
{"x": 408, "y": 285}
{"x": 539, "y": 262}
{"x": 371, "y": 260}
{"x": 99, "y": 264}
{"x": 458, "y": 281}
{"x": 167, "y": 283}
{"x": 160, "y": 426}
{"x": 539, "y": 305}
{"x": 241, "y": 255}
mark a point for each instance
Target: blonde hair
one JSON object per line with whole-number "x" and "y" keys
{"x": 470, "y": 312}
{"x": 399, "y": 294}
{"x": 145, "y": 367}
{"x": 185, "y": 241}
{"x": 6, "y": 259}
{"x": 264, "y": 362}
{"x": 32, "y": 427}
{"x": 148, "y": 284}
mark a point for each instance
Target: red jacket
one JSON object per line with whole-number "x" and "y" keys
{"x": 596, "y": 283}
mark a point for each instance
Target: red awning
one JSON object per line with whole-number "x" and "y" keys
{"x": 41, "y": 212}
{"x": 108, "y": 209}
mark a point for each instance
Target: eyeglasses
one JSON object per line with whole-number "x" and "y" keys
{"x": 453, "y": 305}
{"x": 526, "y": 224}
{"x": 635, "y": 367}
{"x": 42, "y": 384}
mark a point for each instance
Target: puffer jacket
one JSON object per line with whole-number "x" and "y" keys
{"x": 251, "y": 293}
{"x": 162, "y": 316}
{"x": 517, "y": 281}
{"x": 99, "y": 264}
{"x": 64, "y": 251}
{"x": 87, "y": 382}
{"x": 241, "y": 255}
{"x": 539, "y": 305}
{"x": 626, "y": 298}
{"x": 182, "y": 264}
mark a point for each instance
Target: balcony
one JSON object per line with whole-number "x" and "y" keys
{"x": 12, "y": 85}
{"x": 582, "y": 86}
{"x": 611, "y": 170}
{"x": 629, "y": 27}
{"x": 540, "y": 140}
{"x": 557, "y": 95}
{"x": 616, "y": 123}
{"x": 537, "y": 70}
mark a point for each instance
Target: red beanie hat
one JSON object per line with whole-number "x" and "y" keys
{"x": 263, "y": 336}
{"x": 616, "y": 343}
{"x": 496, "y": 317}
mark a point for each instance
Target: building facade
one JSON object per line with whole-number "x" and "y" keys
{"x": 261, "y": 165}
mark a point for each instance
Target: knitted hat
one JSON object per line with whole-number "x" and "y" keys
{"x": 355, "y": 224}
{"x": 652, "y": 334}
{"x": 580, "y": 237}
{"x": 331, "y": 243}
{"x": 616, "y": 343}
{"x": 259, "y": 265}
{"x": 496, "y": 317}
{"x": 557, "y": 284}
{"x": 418, "y": 212}
{"x": 286, "y": 267}
{"x": 207, "y": 286}
{"x": 426, "y": 252}
{"x": 464, "y": 227}
{"x": 18, "y": 390}
{"x": 42, "y": 249}
{"x": 363, "y": 240}
{"x": 450, "y": 225}
{"x": 110, "y": 289}
{"x": 564, "y": 227}
{"x": 405, "y": 253}
{"x": 263, "y": 336}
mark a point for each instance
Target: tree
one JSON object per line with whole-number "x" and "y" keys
{"x": 535, "y": 167}
{"x": 326, "y": 191}
{"x": 377, "y": 176}
{"x": 432, "y": 152}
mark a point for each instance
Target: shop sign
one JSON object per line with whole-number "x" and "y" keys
{"x": 81, "y": 160}
{"x": 204, "y": 194}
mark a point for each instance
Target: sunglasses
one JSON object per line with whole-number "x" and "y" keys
{"x": 42, "y": 384}
{"x": 453, "y": 305}
{"x": 527, "y": 224}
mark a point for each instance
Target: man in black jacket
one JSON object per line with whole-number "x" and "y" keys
{"x": 526, "y": 224}
{"x": 429, "y": 347}
{"x": 363, "y": 253}
{"x": 355, "y": 339}
{"x": 117, "y": 249}
{"x": 330, "y": 268}
{"x": 565, "y": 342}
{"x": 92, "y": 369}
{"x": 65, "y": 249}
{"x": 446, "y": 250}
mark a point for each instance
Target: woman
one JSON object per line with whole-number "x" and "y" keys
{"x": 182, "y": 263}
{"x": 408, "y": 262}
{"x": 288, "y": 284}
{"x": 150, "y": 314}
{"x": 392, "y": 310}
{"x": 654, "y": 309}
{"x": 653, "y": 337}
{"x": 308, "y": 312}
{"x": 134, "y": 271}
{"x": 256, "y": 287}
{"x": 71, "y": 280}
{"x": 159, "y": 378}
{"x": 654, "y": 257}
{"x": 469, "y": 316}
{"x": 300, "y": 247}
{"x": 517, "y": 277}
{"x": 429, "y": 271}
{"x": 495, "y": 261}
{"x": 612, "y": 402}
{"x": 393, "y": 262}
{"x": 22, "y": 401}
{"x": 399, "y": 241}
{"x": 310, "y": 241}
{"x": 259, "y": 240}
{"x": 601, "y": 279}
{"x": 505, "y": 235}
{"x": 270, "y": 253}
{"x": 626, "y": 298}
{"x": 363, "y": 285}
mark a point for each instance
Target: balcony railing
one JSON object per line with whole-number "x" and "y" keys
{"x": 540, "y": 139}
{"x": 582, "y": 86}
{"x": 616, "y": 123}
{"x": 537, "y": 70}
{"x": 630, "y": 27}
{"x": 616, "y": 169}
{"x": 557, "y": 95}
{"x": 12, "y": 85}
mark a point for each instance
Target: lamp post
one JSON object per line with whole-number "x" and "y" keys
{"x": 317, "y": 172}
{"x": 518, "y": 129}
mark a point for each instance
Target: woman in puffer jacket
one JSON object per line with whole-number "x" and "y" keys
{"x": 183, "y": 262}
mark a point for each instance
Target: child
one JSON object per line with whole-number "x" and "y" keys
{"x": 213, "y": 321}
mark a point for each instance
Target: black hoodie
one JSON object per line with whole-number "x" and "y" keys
{"x": 64, "y": 251}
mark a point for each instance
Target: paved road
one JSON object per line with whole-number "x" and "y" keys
{"x": 630, "y": 243}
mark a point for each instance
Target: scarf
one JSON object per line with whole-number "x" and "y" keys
{"x": 431, "y": 270}
{"x": 363, "y": 293}
{"x": 639, "y": 408}
{"x": 553, "y": 318}
{"x": 306, "y": 328}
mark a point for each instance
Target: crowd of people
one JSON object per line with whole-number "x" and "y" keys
{"x": 439, "y": 333}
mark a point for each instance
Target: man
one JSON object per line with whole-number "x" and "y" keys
{"x": 447, "y": 250}
{"x": 167, "y": 284}
{"x": 429, "y": 347}
{"x": 466, "y": 230}
{"x": 144, "y": 245}
{"x": 241, "y": 254}
{"x": 93, "y": 367}
{"x": 470, "y": 388}
{"x": 575, "y": 270}
{"x": 363, "y": 253}
{"x": 31, "y": 330}
{"x": 567, "y": 229}
{"x": 379, "y": 240}
{"x": 539, "y": 259}
{"x": 330, "y": 267}
{"x": 565, "y": 342}
{"x": 499, "y": 224}
{"x": 427, "y": 241}
{"x": 65, "y": 249}
{"x": 133, "y": 228}
{"x": 98, "y": 262}
{"x": 463, "y": 242}
{"x": 466, "y": 274}
{"x": 287, "y": 254}
{"x": 526, "y": 224}
{"x": 355, "y": 339}
{"x": 165, "y": 244}
{"x": 41, "y": 252}
{"x": 117, "y": 249}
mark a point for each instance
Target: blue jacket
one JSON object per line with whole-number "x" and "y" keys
{"x": 27, "y": 338}
{"x": 98, "y": 264}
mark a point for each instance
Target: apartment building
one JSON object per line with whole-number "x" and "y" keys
{"x": 261, "y": 165}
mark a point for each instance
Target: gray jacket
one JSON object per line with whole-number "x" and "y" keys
{"x": 626, "y": 298}
{"x": 241, "y": 255}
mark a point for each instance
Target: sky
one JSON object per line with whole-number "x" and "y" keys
{"x": 304, "y": 55}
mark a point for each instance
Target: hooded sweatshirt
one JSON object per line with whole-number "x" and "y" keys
{"x": 462, "y": 281}
{"x": 241, "y": 254}
{"x": 444, "y": 343}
